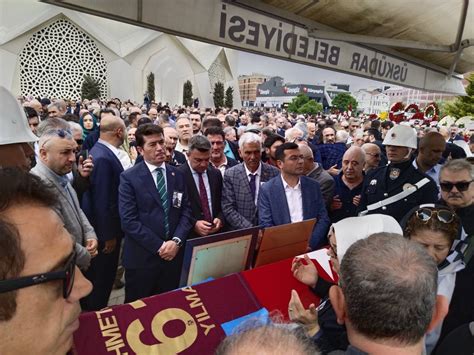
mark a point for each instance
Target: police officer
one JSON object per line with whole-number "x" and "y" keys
{"x": 397, "y": 187}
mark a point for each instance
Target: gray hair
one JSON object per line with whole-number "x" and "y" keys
{"x": 290, "y": 133}
{"x": 389, "y": 285}
{"x": 303, "y": 128}
{"x": 199, "y": 142}
{"x": 342, "y": 136}
{"x": 458, "y": 165}
{"x": 53, "y": 133}
{"x": 75, "y": 127}
{"x": 59, "y": 104}
{"x": 249, "y": 137}
{"x": 229, "y": 129}
{"x": 267, "y": 338}
{"x": 52, "y": 123}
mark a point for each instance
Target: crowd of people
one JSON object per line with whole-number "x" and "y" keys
{"x": 115, "y": 189}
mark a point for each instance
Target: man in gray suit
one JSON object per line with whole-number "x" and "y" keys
{"x": 56, "y": 158}
{"x": 242, "y": 184}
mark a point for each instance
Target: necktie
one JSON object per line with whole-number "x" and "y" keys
{"x": 253, "y": 186}
{"x": 161, "y": 186}
{"x": 203, "y": 199}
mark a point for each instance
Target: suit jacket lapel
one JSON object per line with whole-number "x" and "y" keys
{"x": 306, "y": 198}
{"x": 170, "y": 182}
{"x": 244, "y": 180}
{"x": 147, "y": 180}
{"x": 281, "y": 196}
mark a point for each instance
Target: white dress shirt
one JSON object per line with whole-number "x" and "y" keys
{"x": 294, "y": 199}
{"x": 119, "y": 153}
{"x": 258, "y": 174}
{"x": 206, "y": 184}
{"x": 154, "y": 173}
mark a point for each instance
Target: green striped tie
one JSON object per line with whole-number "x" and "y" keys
{"x": 161, "y": 186}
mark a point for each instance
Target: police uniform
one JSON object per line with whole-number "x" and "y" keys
{"x": 396, "y": 188}
{"x": 389, "y": 180}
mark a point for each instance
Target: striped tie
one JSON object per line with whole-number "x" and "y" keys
{"x": 161, "y": 186}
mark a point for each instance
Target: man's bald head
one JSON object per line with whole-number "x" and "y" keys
{"x": 372, "y": 155}
{"x": 355, "y": 152}
{"x": 112, "y": 129}
{"x": 306, "y": 151}
{"x": 431, "y": 138}
{"x": 431, "y": 149}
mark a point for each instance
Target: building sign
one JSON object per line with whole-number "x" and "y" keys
{"x": 229, "y": 25}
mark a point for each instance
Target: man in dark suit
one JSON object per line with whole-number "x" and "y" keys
{"x": 156, "y": 218}
{"x": 100, "y": 204}
{"x": 204, "y": 186}
{"x": 292, "y": 197}
{"x": 242, "y": 184}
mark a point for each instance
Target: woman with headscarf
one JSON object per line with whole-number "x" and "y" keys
{"x": 88, "y": 123}
{"x": 437, "y": 228}
{"x": 321, "y": 322}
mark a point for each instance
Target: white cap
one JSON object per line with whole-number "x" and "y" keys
{"x": 350, "y": 230}
{"x": 401, "y": 136}
{"x": 13, "y": 121}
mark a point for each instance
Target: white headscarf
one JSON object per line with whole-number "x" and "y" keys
{"x": 350, "y": 230}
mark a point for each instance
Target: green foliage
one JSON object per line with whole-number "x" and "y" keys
{"x": 188, "y": 94}
{"x": 463, "y": 105}
{"x": 151, "y": 85}
{"x": 342, "y": 102}
{"x": 218, "y": 95}
{"x": 90, "y": 88}
{"x": 303, "y": 104}
{"x": 229, "y": 97}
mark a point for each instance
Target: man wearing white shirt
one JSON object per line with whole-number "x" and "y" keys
{"x": 293, "y": 197}
{"x": 156, "y": 218}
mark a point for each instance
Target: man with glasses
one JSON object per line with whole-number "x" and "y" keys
{"x": 292, "y": 197}
{"x": 457, "y": 191}
{"x": 372, "y": 156}
{"x": 57, "y": 154}
{"x": 40, "y": 286}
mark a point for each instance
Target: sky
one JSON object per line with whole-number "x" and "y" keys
{"x": 295, "y": 73}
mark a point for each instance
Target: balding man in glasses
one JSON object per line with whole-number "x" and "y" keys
{"x": 57, "y": 154}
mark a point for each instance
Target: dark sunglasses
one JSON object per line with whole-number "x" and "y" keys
{"x": 444, "y": 216}
{"x": 460, "y": 186}
{"x": 67, "y": 275}
{"x": 79, "y": 141}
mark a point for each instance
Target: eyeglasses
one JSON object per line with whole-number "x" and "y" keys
{"x": 67, "y": 275}
{"x": 444, "y": 216}
{"x": 461, "y": 186}
{"x": 375, "y": 155}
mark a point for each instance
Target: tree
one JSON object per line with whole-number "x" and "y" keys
{"x": 229, "y": 97}
{"x": 342, "y": 102}
{"x": 218, "y": 94}
{"x": 151, "y": 86}
{"x": 303, "y": 104}
{"x": 463, "y": 105}
{"x": 188, "y": 94}
{"x": 90, "y": 88}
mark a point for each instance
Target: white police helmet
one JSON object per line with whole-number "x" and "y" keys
{"x": 13, "y": 122}
{"x": 401, "y": 136}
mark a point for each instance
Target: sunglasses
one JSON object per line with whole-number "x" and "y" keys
{"x": 460, "y": 186}
{"x": 444, "y": 216}
{"x": 79, "y": 141}
{"x": 67, "y": 275}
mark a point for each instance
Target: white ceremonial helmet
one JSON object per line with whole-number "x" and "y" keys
{"x": 13, "y": 122}
{"x": 401, "y": 136}
{"x": 351, "y": 229}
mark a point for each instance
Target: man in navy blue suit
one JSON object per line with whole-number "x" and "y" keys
{"x": 100, "y": 204}
{"x": 292, "y": 197}
{"x": 156, "y": 218}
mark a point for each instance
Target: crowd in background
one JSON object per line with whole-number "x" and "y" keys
{"x": 133, "y": 182}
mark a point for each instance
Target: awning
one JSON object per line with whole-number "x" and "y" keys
{"x": 422, "y": 44}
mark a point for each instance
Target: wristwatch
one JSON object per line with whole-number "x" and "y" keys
{"x": 178, "y": 241}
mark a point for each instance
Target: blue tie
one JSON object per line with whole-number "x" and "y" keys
{"x": 161, "y": 186}
{"x": 253, "y": 185}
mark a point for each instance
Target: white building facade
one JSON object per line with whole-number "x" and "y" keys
{"x": 46, "y": 50}
{"x": 372, "y": 101}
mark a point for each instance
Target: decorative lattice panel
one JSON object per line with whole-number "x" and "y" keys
{"x": 55, "y": 60}
{"x": 216, "y": 72}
